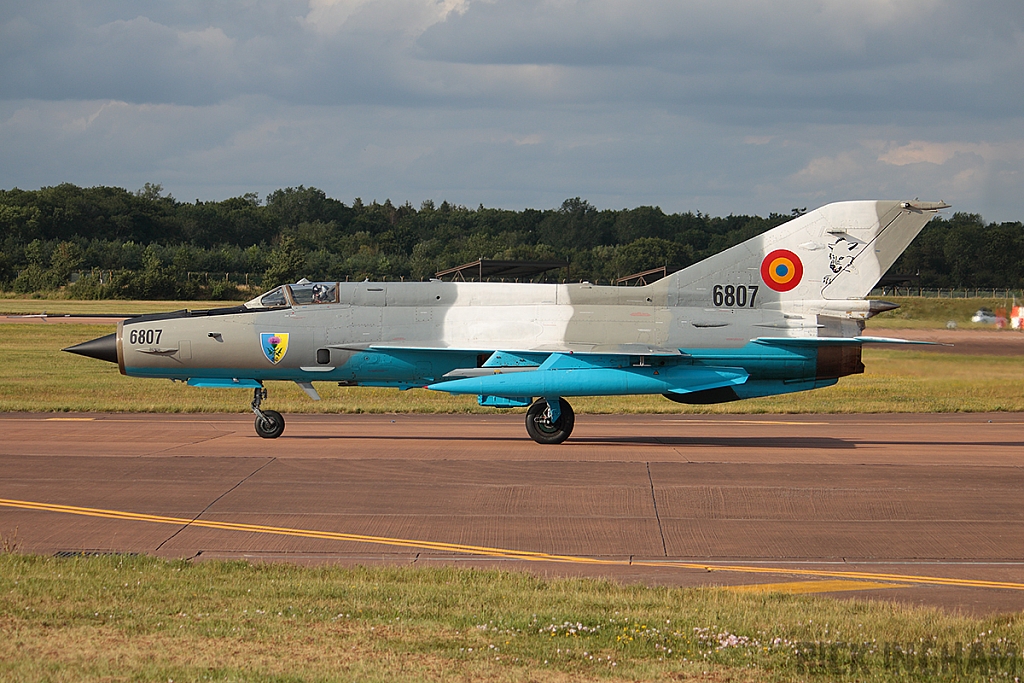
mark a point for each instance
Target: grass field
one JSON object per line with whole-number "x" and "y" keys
{"x": 118, "y": 306}
{"x": 136, "y": 618}
{"x": 928, "y": 313}
{"x": 37, "y": 376}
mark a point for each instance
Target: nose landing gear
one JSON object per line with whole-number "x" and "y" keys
{"x": 269, "y": 423}
{"x": 548, "y": 426}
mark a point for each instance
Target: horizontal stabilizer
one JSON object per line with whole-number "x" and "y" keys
{"x": 819, "y": 341}
{"x": 891, "y": 340}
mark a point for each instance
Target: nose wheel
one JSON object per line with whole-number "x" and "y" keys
{"x": 269, "y": 423}
{"x": 545, "y": 425}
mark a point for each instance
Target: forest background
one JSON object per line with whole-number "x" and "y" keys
{"x": 107, "y": 242}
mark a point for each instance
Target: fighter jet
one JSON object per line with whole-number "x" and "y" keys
{"x": 779, "y": 313}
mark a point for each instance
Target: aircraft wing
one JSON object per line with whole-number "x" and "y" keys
{"x": 570, "y": 348}
{"x": 562, "y": 374}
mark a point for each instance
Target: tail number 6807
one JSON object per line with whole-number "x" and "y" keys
{"x": 734, "y": 296}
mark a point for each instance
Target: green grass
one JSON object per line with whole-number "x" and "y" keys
{"x": 928, "y": 313}
{"x": 138, "y": 618}
{"x": 37, "y": 376}
{"x": 70, "y": 306}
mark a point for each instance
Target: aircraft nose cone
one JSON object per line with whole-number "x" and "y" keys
{"x": 102, "y": 348}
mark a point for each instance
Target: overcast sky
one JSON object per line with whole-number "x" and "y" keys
{"x": 720, "y": 106}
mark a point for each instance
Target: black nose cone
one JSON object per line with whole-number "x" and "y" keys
{"x": 102, "y": 348}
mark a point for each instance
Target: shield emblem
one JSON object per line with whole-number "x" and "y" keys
{"x": 274, "y": 345}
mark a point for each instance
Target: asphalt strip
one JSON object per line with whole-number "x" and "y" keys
{"x": 505, "y": 553}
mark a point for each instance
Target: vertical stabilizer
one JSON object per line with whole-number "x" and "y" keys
{"x": 839, "y": 251}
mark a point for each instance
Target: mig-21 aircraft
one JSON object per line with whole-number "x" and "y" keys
{"x": 779, "y": 313}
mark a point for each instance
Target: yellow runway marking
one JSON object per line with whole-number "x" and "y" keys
{"x": 745, "y": 422}
{"x": 484, "y": 551}
{"x": 866, "y": 423}
{"x": 805, "y": 587}
{"x": 236, "y": 417}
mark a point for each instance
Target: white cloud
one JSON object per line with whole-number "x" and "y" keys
{"x": 923, "y": 151}
{"x": 829, "y": 170}
{"x": 329, "y": 17}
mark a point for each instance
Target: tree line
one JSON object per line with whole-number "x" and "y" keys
{"x": 146, "y": 244}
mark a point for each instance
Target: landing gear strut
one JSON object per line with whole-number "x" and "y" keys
{"x": 269, "y": 423}
{"x": 545, "y": 427}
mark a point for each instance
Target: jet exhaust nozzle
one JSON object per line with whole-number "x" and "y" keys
{"x": 101, "y": 348}
{"x": 876, "y": 306}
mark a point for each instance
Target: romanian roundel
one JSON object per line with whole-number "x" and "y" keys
{"x": 782, "y": 270}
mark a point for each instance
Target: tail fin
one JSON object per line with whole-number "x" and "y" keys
{"x": 839, "y": 251}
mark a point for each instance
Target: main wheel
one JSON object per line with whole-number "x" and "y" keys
{"x": 540, "y": 427}
{"x": 270, "y": 425}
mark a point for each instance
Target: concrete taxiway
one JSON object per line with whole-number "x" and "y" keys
{"x": 923, "y": 509}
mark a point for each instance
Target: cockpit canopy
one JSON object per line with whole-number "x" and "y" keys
{"x": 271, "y": 299}
{"x": 301, "y": 293}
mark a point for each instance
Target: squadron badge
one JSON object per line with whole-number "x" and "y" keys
{"x": 275, "y": 345}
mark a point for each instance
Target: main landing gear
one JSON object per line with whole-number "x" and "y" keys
{"x": 550, "y": 420}
{"x": 269, "y": 423}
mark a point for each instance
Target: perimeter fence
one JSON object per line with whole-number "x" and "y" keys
{"x": 948, "y": 293}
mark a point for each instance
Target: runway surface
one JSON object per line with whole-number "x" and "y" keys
{"x": 923, "y": 509}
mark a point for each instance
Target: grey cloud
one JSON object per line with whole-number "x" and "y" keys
{"x": 731, "y": 106}
{"x": 530, "y": 157}
{"x": 812, "y": 59}
{"x": 723, "y": 34}
{"x": 800, "y": 55}
{"x": 202, "y": 54}
{"x": 132, "y": 59}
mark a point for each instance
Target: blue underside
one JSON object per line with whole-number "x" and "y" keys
{"x": 752, "y": 370}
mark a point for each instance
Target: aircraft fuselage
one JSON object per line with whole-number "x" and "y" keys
{"x": 414, "y": 334}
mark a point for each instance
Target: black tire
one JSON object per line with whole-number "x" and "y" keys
{"x": 270, "y": 425}
{"x": 543, "y": 431}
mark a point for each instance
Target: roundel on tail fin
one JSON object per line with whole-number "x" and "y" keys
{"x": 782, "y": 270}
